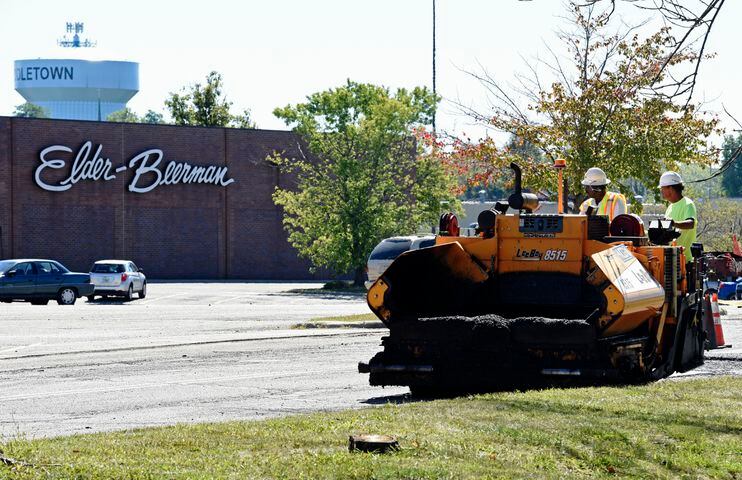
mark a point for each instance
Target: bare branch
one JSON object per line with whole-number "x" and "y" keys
{"x": 731, "y": 116}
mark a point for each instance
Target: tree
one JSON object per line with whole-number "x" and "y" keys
{"x": 692, "y": 22}
{"x": 498, "y": 188}
{"x": 732, "y": 176}
{"x": 125, "y": 115}
{"x": 717, "y": 221}
{"x": 153, "y": 117}
{"x": 700, "y": 182}
{"x": 244, "y": 121}
{"x": 205, "y": 105}
{"x": 364, "y": 180}
{"x": 599, "y": 111}
{"x": 30, "y": 110}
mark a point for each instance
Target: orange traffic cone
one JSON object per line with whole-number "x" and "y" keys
{"x": 716, "y": 315}
{"x": 708, "y": 323}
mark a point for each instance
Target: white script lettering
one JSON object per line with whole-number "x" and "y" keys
{"x": 147, "y": 175}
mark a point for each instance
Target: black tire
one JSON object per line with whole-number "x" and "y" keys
{"x": 129, "y": 293}
{"x": 91, "y": 298}
{"x": 66, "y": 296}
{"x": 143, "y": 291}
{"x": 39, "y": 302}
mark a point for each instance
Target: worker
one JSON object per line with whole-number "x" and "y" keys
{"x": 681, "y": 211}
{"x": 607, "y": 203}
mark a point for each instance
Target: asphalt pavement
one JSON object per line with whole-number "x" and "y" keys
{"x": 203, "y": 351}
{"x": 189, "y": 352}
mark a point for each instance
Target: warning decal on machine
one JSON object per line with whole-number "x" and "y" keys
{"x": 628, "y": 274}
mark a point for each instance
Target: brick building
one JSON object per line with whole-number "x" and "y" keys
{"x": 79, "y": 191}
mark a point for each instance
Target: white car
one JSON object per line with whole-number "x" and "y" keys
{"x": 121, "y": 278}
{"x": 390, "y": 248}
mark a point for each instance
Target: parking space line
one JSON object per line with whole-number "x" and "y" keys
{"x": 150, "y": 300}
{"x": 191, "y": 344}
{"x": 20, "y": 347}
{"x": 230, "y": 298}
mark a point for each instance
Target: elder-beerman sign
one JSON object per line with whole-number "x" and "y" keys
{"x": 146, "y": 165}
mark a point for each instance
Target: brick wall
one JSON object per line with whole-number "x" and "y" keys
{"x": 173, "y": 231}
{"x": 6, "y": 178}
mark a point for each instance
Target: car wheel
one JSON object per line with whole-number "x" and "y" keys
{"x": 129, "y": 293}
{"x": 39, "y": 302}
{"x": 143, "y": 291}
{"x": 91, "y": 298}
{"x": 67, "y": 296}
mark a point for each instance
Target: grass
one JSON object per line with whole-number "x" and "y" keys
{"x": 671, "y": 429}
{"x": 361, "y": 319}
{"x": 333, "y": 289}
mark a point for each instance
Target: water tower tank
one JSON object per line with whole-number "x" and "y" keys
{"x": 77, "y": 89}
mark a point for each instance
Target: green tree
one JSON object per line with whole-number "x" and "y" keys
{"x": 125, "y": 115}
{"x": 365, "y": 179}
{"x": 718, "y": 220}
{"x": 732, "y": 176}
{"x": 30, "y": 110}
{"x": 206, "y": 105}
{"x": 601, "y": 110}
{"x": 700, "y": 182}
{"x": 244, "y": 121}
{"x": 153, "y": 117}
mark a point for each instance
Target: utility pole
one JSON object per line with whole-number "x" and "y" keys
{"x": 434, "y": 90}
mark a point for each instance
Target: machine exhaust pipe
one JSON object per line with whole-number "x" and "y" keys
{"x": 520, "y": 200}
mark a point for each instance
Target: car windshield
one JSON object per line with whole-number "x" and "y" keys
{"x": 108, "y": 268}
{"x": 6, "y": 264}
{"x": 390, "y": 249}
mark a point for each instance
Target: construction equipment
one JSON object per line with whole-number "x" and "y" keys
{"x": 535, "y": 297}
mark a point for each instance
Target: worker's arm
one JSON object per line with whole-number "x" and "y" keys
{"x": 686, "y": 224}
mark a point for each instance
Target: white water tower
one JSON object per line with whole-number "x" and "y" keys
{"x": 77, "y": 89}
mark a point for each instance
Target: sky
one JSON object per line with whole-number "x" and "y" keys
{"x": 274, "y": 53}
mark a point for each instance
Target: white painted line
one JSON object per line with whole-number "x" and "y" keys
{"x": 230, "y": 298}
{"x": 21, "y": 347}
{"x": 150, "y": 300}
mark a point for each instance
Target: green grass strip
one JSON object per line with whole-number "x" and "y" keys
{"x": 672, "y": 429}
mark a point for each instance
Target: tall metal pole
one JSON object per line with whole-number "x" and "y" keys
{"x": 434, "y": 90}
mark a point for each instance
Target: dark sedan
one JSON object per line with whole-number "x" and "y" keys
{"x": 38, "y": 281}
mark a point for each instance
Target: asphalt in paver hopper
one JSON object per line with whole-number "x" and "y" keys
{"x": 535, "y": 299}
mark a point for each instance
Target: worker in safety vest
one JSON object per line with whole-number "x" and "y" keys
{"x": 682, "y": 210}
{"x": 603, "y": 201}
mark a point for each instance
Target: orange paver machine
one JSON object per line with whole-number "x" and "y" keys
{"x": 536, "y": 296}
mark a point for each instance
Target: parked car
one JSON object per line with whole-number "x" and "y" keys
{"x": 39, "y": 280}
{"x": 390, "y": 248}
{"x": 120, "y": 278}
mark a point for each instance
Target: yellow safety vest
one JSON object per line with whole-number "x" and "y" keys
{"x": 607, "y": 206}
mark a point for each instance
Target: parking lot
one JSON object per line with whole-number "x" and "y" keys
{"x": 201, "y": 351}
{"x": 189, "y": 352}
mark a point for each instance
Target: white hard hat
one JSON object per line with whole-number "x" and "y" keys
{"x": 595, "y": 177}
{"x": 670, "y": 178}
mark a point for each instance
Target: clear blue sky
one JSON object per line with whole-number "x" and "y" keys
{"x": 272, "y": 53}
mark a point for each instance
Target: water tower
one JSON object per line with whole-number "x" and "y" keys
{"x": 77, "y": 89}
